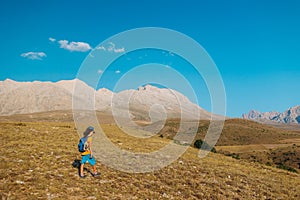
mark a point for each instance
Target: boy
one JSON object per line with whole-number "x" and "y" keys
{"x": 87, "y": 156}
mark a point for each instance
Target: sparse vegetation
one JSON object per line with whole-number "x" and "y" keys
{"x": 20, "y": 124}
{"x": 286, "y": 157}
{"x": 36, "y": 163}
{"x": 236, "y": 132}
{"x": 234, "y": 155}
{"x": 282, "y": 166}
{"x": 202, "y": 144}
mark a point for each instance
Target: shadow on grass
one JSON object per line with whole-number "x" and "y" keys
{"x": 76, "y": 164}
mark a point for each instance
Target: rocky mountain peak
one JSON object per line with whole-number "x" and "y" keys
{"x": 290, "y": 116}
{"x": 148, "y": 87}
{"x": 36, "y": 96}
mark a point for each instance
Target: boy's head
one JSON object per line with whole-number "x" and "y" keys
{"x": 89, "y": 131}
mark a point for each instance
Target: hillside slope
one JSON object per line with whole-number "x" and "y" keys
{"x": 244, "y": 139}
{"x": 36, "y": 163}
{"x": 236, "y": 132}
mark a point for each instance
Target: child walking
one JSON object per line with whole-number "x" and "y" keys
{"x": 87, "y": 155}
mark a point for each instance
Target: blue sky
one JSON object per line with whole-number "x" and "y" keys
{"x": 255, "y": 44}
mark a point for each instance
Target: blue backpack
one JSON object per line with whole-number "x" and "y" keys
{"x": 81, "y": 144}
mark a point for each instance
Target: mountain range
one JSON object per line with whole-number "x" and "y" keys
{"x": 145, "y": 103}
{"x": 290, "y": 116}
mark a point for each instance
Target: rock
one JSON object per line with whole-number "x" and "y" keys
{"x": 19, "y": 182}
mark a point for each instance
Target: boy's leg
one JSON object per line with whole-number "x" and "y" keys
{"x": 94, "y": 169}
{"x": 81, "y": 169}
{"x": 92, "y": 162}
{"x": 83, "y": 161}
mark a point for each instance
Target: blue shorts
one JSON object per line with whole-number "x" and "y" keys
{"x": 86, "y": 158}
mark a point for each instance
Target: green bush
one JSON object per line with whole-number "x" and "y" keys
{"x": 282, "y": 166}
{"x": 235, "y": 156}
{"x": 269, "y": 163}
{"x": 198, "y": 144}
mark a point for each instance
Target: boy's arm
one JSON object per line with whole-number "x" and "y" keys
{"x": 90, "y": 145}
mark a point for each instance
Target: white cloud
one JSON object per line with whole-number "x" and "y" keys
{"x": 100, "y": 71}
{"x": 52, "y": 39}
{"x": 74, "y": 46}
{"x": 121, "y": 50}
{"x": 171, "y": 53}
{"x": 111, "y": 47}
{"x": 101, "y": 48}
{"x": 118, "y": 72}
{"x": 34, "y": 55}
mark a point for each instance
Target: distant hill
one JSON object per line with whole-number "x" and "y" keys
{"x": 250, "y": 140}
{"x": 236, "y": 132}
{"x": 32, "y": 97}
{"x": 290, "y": 116}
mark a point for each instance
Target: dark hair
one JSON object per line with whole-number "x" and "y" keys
{"x": 88, "y": 131}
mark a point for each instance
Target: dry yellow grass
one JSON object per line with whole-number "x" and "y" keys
{"x": 36, "y": 160}
{"x": 242, "y": 148}
{"x": 237, "y": 132}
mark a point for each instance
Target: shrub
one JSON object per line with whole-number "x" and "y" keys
{"x": 20, "y": 124}
{"x": 269, "y": 163}
{"x": 198, "y": 144}
{"x": 282, "y": 166}
{"x": 235, "y": 156}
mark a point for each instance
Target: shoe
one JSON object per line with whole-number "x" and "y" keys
{"x": 82, "y": 176}
{"x": 96, "y": 174}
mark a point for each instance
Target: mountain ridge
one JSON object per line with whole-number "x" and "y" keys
{"x": 39, "y": 96}
{"x": 289, "y": 116}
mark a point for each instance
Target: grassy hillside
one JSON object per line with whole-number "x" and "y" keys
{"x": 236, "y": 132}
{"x": 284, "y": 156}
{"x": 53, "y": 116}
{"x": 244, "y": 139}
{"x": 36, "y": 163}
